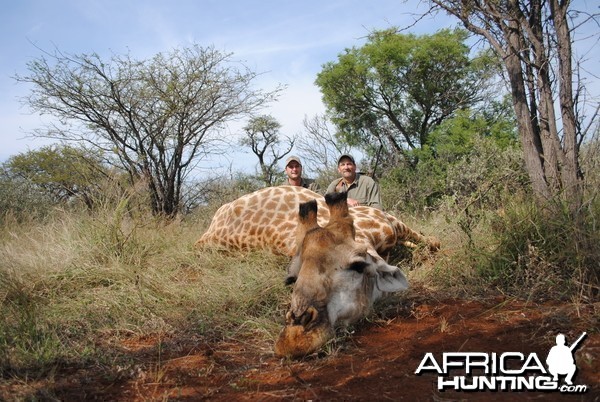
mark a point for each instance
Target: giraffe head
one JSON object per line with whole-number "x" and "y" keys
{"x": 336, "y": 279}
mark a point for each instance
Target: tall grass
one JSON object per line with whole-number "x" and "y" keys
{"x": 520, "y": 248}
{"x": 518, "y": 253}
{"x": 495, "y": 236}
{"x": 70, "y": 283}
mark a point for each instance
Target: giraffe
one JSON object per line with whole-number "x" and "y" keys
{"x": 267, "y": 219}
{"x": 336, "y": 266}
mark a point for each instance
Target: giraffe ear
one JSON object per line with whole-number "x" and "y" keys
{"x": 307, "y": 220}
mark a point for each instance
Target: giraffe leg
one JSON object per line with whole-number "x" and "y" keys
{"x": 410, "y": 238}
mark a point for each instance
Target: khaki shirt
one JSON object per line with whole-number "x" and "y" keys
{"x": 364, "y": 189}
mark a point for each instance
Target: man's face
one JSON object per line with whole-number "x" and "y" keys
{"x": 347, "y": 169}
{"x": 293, "y": 170}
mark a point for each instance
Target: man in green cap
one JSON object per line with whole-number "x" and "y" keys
{"x": 361, "y": 189}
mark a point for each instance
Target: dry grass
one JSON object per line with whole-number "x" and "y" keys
{"x": 520, "y": 250}
{"x": 71, "y": 283}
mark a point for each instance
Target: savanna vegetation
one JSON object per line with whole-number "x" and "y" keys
{"x": 96, "y": 243}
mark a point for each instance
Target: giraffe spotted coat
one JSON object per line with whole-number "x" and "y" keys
{"x": 267, "y": 219}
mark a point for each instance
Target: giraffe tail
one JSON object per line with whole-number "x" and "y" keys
{"x": 412, "y": 239}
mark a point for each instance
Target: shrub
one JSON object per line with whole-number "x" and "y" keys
{"x": 20, "y": 200}
{"x": 475, "y": 179}
{"x": 495, "y": 235}
{"x": 545, "y": 250}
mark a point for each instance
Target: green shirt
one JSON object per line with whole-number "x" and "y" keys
{"x": 364, "y": 190}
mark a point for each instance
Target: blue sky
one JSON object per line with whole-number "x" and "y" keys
{"x": 288, "y": 41}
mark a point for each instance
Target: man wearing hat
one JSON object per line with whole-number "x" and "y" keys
{"x": 361, "y": 189}
{"x": 293, "y": 170}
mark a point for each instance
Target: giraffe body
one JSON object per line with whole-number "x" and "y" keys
{"x": 267, "y": 219}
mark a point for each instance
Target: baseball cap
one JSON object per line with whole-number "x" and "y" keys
{"x": 293, "y": 158}
{"x": 346, "y": 156}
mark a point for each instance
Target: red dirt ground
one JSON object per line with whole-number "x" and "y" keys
{"x": 376, "y": 362}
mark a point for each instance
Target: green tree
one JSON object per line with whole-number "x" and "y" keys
{"x": 454, "y": 138}
{"x": 469, "y": 138}
{"x": 265, "y": 141}
{"x": 158, "y": 117}
{"x": 533, "y": 38}
{"x": 19, "y": 199}
{"x": 62, "y": 172}
{"x": 390, "y": 94}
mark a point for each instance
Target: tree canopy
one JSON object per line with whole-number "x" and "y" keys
{"x": 158, "y": 117}
{"x": 63, "y": 172}
{"x": 391, "y": 93}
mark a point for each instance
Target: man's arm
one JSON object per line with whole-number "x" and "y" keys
{"x": 374, "y": 197}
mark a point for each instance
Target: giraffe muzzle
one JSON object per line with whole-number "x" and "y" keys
{"x": 303, "y": 334}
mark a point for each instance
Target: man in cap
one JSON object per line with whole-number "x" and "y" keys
{"x": 361, "y": 189}
{"x": 293, "y": 170}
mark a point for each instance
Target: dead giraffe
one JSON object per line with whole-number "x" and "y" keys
{"x": 337, "y": 269}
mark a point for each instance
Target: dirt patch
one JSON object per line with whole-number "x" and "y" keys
{"x": 375, "y": 362}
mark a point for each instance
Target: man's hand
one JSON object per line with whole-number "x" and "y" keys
{"x": 352, "y": 202}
